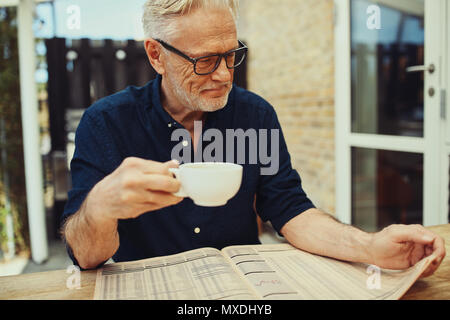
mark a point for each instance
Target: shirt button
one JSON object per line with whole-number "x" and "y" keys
{"x": 169, "y": 125}
{"x": 197, "y": 230}
{"x": 185, "y": 143}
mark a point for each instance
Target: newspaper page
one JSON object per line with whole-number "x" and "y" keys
{"x": 281, "y": 271}
{"x": 197, "y": 274}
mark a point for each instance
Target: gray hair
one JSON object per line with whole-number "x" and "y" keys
{"x": 158, "y": 14}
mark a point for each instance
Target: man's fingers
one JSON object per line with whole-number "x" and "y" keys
{"x": 430, "y": 270}
{"x": 160, "y": 182}
{"x": 439, "y": 248}
{"x": 150, "y": 166}
{"x": 161, "y": 167}
{"x": 417, "y": 253}
{"x": 413, "y": 234}
{"x": 159, "y": 199}
{"x": 434, "y": 265}
{"x": 418, "y": 234}
{"x": 436, "y": 246}
{"x": 428, "y": 250}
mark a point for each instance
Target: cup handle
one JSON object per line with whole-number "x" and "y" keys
{"x": 181, "y": 192}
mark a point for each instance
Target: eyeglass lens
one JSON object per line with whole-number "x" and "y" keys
{"x": 209, "y": 64}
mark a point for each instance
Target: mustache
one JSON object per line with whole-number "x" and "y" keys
{"x": 216, "y": 87}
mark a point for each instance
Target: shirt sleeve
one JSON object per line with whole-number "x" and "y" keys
{"x": 280, "y": 196}
{"x": 85, "y": 167}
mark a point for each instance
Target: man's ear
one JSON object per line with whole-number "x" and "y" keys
{"x": 153, "y": 50}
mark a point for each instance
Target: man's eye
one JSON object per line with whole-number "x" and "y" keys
{"x": 207, "y": 60}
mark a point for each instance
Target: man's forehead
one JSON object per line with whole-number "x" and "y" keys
{"x": 206, "y": 31}
{"x": 203, "y": 48}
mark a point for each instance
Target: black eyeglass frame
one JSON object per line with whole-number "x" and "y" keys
{"x": 219, "y": 56}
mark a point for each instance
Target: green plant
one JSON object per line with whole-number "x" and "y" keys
{"x": 18, "y": 239}
{"x": 3, "y": 232}
{"x": 12, "y": 164}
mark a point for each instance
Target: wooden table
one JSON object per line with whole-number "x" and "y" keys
{"x": 52, "y": 284}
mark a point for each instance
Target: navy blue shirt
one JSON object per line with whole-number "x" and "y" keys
{"x": 133, "y": 123}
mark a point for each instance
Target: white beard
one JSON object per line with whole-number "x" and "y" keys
{"x": 195, "y": 102}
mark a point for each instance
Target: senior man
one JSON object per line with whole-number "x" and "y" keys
{"x": 122, "y": 203}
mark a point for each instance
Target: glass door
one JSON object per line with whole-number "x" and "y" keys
{"x": 388, "y": 119}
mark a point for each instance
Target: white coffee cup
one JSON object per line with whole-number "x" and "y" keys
{"x": 208, "y": 184}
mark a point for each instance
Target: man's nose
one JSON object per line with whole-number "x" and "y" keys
{"x": 222, "y": 73}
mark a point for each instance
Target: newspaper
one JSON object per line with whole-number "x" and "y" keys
{"x": 276, "y": 271}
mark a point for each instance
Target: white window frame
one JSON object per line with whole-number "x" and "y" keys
{"x": 434, "y": 194}
{"x": 445, "y": 154}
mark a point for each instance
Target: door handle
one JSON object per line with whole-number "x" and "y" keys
{"x": 431, "y": 68}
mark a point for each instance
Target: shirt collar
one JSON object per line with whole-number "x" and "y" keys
{"x": 156, "y": 102}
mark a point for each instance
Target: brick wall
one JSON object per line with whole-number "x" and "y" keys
{"x": 291, "y": 65}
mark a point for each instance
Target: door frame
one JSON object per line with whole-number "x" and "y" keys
{"x": 445, "y": 134}
{"x": 435, "y": 208}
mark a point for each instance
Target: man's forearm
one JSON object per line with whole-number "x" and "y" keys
{"x": 319, "y": 233}
{"x": 92, "y": 238}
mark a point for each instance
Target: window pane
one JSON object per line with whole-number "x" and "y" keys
{"x": 386, "y": 188}
{"x": 13, "y": 200}
{"x": 385, "y": 98}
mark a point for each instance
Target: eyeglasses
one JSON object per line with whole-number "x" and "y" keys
{"x": 208, "y": 64}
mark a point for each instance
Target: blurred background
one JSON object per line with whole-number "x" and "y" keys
{"x": 363, "y": 113}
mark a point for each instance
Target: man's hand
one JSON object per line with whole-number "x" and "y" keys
{"x": 135, "y": 187}
{"x": 402, "y": 246}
